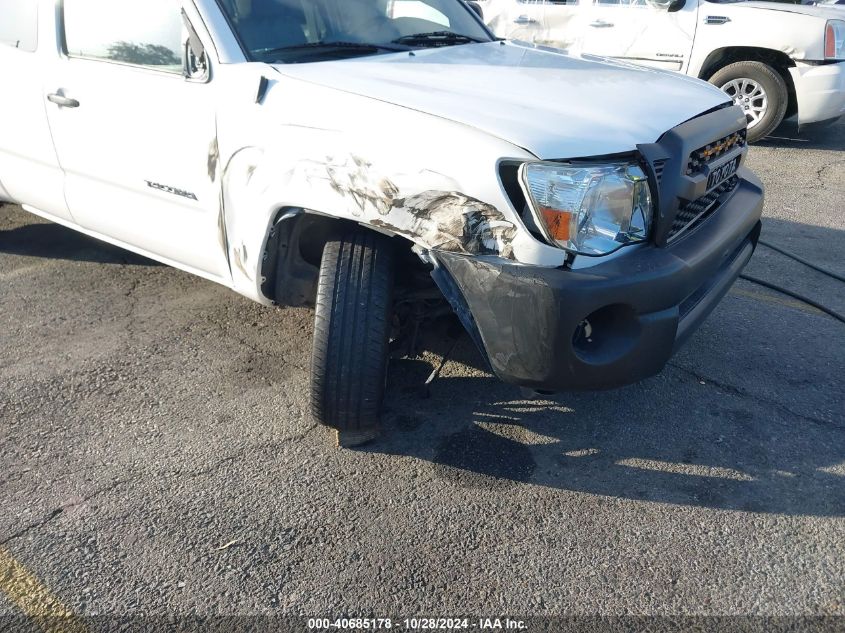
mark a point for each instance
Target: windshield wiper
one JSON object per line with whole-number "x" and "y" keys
{"x": 437, "y": 38}
{"x": 359, "y": 46}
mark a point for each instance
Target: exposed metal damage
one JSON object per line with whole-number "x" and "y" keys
{"x": 453, "y": 222}
{"x": 213, "y": 159}
{"x": 241, "y": 260}
{"x": 437, "y": 219}
{"x": 354, "y": 177}
{"x": 429, "y": 208}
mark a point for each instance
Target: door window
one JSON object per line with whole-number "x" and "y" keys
{"x": 19, "y": 24}
{"x": 144, "y": 33}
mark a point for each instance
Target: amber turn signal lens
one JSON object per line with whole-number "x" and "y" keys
{"x": 558, "y": 223}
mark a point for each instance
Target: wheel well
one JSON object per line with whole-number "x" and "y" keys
{"x": 291, "y": 260}
{"x": 778, "y": 60}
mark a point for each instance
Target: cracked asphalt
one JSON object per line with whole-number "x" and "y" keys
{"x": 158, "y": 457}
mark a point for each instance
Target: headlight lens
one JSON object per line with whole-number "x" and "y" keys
{"x": 834, "y": 40}
{"x": 590, "y": 209}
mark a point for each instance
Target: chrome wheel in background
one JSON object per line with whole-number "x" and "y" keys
{"x": 760, "y": 90}
{"x": 750, "y": 96}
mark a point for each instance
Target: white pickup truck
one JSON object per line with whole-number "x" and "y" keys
{"x": 362, "y": 157}
{"x": 774, "y": 60}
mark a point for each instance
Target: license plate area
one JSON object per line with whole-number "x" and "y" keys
{"x": 720, "y": 174}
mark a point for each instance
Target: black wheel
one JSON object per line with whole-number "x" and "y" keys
{"x": 351, "y": 330}
{"x": 760, "y": 90}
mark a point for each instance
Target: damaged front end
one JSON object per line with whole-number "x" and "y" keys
{"x": 549, "y": 308}
{"x": 620, "y": 319}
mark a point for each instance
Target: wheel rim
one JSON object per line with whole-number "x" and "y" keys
{"x": 750, "y": 96}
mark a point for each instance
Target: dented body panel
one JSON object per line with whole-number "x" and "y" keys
{"x": 419, "y": 176}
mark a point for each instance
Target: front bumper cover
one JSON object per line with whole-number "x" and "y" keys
{"x": 820, "y": 90}
{"x": 529, "y": 321}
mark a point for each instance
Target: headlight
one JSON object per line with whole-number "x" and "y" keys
{"x": 590, "y": 209}
{"x": 834, "y": 40}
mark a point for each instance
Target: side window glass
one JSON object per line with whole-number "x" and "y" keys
{"x": 139, "y": 32}
{"x": 19, "y": 24}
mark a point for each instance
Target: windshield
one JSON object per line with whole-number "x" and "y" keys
{"x": 295, "y": 31}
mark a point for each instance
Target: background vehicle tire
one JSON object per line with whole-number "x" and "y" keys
{"x": 351, "y": 330}
{"x": 759, "y": 89}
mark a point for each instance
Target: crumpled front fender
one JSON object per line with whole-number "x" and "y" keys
{"x": 422, "y": 205}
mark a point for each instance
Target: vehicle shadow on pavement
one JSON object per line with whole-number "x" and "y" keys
{"x": 699, "y": 445}
{"x": 53, "y": 241}
{"x": 747, "y": 417}
{"x": 814, "y": 136}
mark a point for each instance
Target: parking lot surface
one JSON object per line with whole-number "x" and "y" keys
{"x": 158, "y": 456}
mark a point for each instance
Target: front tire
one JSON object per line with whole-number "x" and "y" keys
{"x": 760, "y": 90}
{"x": 351, "y": 329}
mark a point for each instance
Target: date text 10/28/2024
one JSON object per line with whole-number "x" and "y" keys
{"x": 417, "y": 624}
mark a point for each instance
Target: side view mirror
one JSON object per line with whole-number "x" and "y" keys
{"x": 476, "y": 7}
{"x": 194, "y": 61}
{"x": 194, "y": 66}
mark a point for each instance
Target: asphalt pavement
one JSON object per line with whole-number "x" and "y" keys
{"x": 157, "y": 456}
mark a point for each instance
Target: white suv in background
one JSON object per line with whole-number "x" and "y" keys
{"x": 774, "y": 60}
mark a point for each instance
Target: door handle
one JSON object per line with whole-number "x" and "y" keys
{"x": 601, "y": 24}
{"x": 524, "y": 19}
{"x": 65, "y": 102}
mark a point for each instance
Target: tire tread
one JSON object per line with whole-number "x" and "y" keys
{"x": 352, "y": 320}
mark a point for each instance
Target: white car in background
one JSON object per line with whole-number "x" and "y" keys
{"x": 775, "y": 60}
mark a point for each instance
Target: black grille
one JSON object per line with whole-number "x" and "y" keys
{"x": 694, "y": 213}
{"x": 712, "y": 151}
{"x": 659, "y": 167}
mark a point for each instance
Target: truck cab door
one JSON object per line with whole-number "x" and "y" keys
{"x": 135, "y": 131}
{"x": 556, "y": 23}
{"x": 29, "y": 169}
{"x": 644, "y": 32}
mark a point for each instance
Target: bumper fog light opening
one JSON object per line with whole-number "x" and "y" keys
{"x": 606, "y": 335}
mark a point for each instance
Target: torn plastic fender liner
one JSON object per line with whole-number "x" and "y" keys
{"x": 458, "y": 302}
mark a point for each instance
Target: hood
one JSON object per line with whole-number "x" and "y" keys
{"x": 817, "y": 11}
{"x": 542, "y": 100}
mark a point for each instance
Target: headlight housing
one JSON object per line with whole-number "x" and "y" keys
{"x": 589, "y": 209}
{"x": 834, "y": 40}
